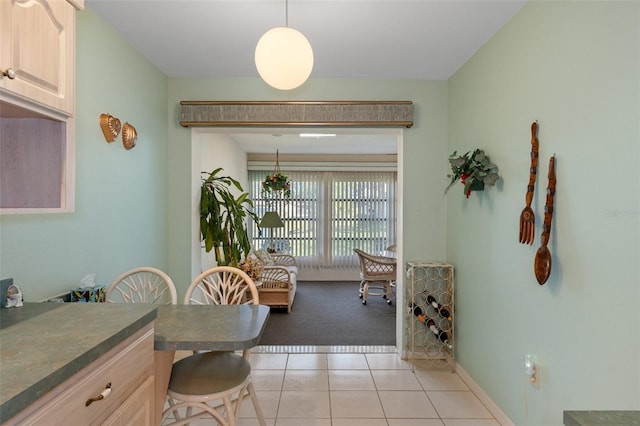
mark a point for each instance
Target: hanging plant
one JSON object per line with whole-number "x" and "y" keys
{"x": 276, "y": 182}
{"x": 473, "y": 169}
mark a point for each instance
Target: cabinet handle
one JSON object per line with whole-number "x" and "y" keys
{"x": 9, "y": 72}
{"x": 105, "y": 393}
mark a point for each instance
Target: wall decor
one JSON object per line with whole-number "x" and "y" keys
{"x": 473, "y": 169}
{"x": 528, "y": 217}
{"x": 129, "y": 136}
{"x": 110, "y": 127}
{"x": 542, "y": 261}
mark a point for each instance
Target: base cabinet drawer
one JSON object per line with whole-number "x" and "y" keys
{"x": 128, "y": 372}
{"x": 137, "y": 410}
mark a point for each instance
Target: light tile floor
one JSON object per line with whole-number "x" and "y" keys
{"x": 356, "y": 386}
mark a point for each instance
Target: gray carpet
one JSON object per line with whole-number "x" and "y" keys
{"x": 331, "y": 313}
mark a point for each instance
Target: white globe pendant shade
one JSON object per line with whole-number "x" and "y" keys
{"x": 284, "y": 58}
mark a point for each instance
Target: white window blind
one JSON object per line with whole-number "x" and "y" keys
{"x": 329, "y": 214}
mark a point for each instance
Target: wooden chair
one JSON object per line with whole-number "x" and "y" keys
{"x": 142, "y": 285}
{"x": 376, "y": 269}
{"x": 202, "y": 378}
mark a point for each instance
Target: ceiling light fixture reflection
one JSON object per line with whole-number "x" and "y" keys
{"x": 284, "y": 57}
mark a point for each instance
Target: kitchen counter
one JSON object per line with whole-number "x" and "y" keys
{"x": 601, "y": 418}
{"x": 44, "y": 344}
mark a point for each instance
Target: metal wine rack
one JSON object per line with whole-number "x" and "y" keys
{"x": 430, "y": 280}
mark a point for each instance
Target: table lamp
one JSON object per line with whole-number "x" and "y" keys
{"x": 271, "y": 220}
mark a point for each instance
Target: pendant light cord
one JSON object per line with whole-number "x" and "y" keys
{"x": 286, "y": 13}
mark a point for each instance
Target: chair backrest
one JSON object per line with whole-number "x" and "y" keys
{"x": 143, "y": 285}
{"x": 222, "y": 285}
{"x": 376, "y": 268}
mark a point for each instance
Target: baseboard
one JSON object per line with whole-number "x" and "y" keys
{"x": 497, "y": 413}
{"x": 63, "y": 297}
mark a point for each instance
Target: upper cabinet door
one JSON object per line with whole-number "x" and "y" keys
{"x": 37, "y": 42}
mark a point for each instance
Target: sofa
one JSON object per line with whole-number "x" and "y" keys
{"x": 277, "y": 281}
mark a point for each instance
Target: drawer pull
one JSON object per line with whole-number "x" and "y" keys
{"x": 9, "y": 73}
{"x": 105, "y": 393}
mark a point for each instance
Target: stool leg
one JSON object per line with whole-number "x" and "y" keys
{"x": 256, "y": 404}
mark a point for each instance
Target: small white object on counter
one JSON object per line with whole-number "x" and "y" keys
{"x": 14, "y": 297}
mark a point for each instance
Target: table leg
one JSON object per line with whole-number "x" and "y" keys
{"x": 163, "y": 362}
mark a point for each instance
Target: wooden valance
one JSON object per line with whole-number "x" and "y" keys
{"x": 296, "y": 113}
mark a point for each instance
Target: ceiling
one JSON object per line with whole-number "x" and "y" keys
{"x": 373, "y": 39}
{"x": 345, "y": 141}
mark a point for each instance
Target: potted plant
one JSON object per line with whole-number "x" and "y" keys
{"x": 473, "y": 169}
{"x": 223, "y": 218}
{"x": 276, "y": 182}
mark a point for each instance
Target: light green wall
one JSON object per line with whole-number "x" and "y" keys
{"x": 424, "y": 156}
{"x": 574, "y": 67}
{"x": 120, "y": 220}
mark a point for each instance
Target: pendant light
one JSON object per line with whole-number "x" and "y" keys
{"x": 284, "y": 57}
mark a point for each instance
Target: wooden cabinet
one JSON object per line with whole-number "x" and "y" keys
{"x": 128, "y": 369}
{"x": 37, "y": 42}
{"x": 137, "y": 409}
{"x": 37, "y": 101}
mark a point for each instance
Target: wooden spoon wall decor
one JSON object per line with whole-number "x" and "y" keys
{"x": 542, "y": 261}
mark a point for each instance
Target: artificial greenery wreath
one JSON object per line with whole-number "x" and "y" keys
{"x": 473, "y": 169}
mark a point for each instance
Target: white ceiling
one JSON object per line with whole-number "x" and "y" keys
{"x": 378, "y": 39}
{"x": 346, "y": 141}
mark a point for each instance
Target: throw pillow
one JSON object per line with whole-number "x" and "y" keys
{"x": 265, "y": 257}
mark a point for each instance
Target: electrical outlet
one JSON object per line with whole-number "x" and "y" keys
{"x": 531, "y": 370}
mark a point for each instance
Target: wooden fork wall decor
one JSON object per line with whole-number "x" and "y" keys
{"x": 528, "y": 217}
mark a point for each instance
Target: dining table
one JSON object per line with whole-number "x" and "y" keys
{"x": 202, "y": 328}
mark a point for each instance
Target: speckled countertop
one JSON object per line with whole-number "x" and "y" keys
{"x": 209, "y": 327}
{"x": 601, "y": 418}
{"x": 43, "y": 344}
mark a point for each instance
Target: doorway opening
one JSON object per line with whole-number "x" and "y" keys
{"x": 229, "y": 147}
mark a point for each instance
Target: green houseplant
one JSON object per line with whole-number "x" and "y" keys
{"x": 223, "y": 218}
{"x": 473, "y": 169}
{"x": 276, "y": 182}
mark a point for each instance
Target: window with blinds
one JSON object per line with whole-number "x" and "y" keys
{"x": 328, "y": 215}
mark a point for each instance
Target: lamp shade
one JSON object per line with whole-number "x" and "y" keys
{"x": 284, "y": 58}
{"x": 271, "y": 220}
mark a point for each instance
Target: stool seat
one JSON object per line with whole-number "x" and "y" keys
{"x": 208, "y": 373}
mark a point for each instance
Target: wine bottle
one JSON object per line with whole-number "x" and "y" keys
{"x": 444, "y": 312}
{"x": 432, "y": 326}
{"x": 432, "y": 301}
{"x": 417, "y": 311}
{"x": 444, "y": 338}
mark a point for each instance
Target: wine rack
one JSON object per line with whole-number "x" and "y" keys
{"x": 429, "y": 307}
